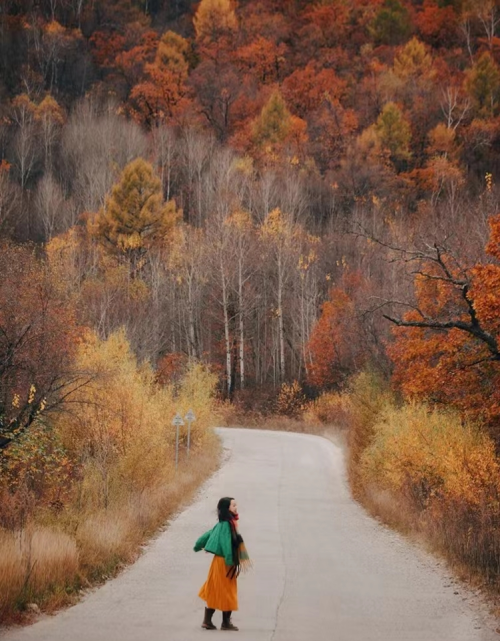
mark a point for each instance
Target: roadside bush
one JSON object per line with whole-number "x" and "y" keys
{"x": 331, "y": 408}
{"x": 291, "y": 400}
{"x": 369, "y": 395}
{"x": 443, "y": 473}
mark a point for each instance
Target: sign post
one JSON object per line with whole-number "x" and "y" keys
{"x": 177, "y": 422}
{"x": 190, "y": 418}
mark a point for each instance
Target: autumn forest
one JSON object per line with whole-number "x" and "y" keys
{"x": 282, "y": 207}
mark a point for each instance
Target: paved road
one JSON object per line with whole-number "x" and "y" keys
{"x": 323, "y": 569}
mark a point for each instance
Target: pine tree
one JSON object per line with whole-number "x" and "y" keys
{"x": 482, "y": 83}
{"x": 394, "y": 133}
{"x": 391, "y": 25}
{"x": 215, "y": 19}
{"x": 135, "y": 216}
{"x": 273, "y": 124}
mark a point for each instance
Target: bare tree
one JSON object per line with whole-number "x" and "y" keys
{"x": 466, "y": 29}
{"x": 489, "y": 17}
{"x": 454, "y": 106}
{"x": 188, "y": 273}
{"x": 25, "y": 149}
{"x": 96, "y": 144}
{"x": 50, "y": 206}
{"x": 9, "y": 204}
{"x": 195, "y": 153}
{"x": 280, "y": 236}
{"x": 165, "y": 151}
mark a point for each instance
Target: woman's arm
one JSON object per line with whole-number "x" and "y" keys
{"x": 202, "y": 541}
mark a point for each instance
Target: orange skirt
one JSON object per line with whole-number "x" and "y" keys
{"x": 219, "y": 591}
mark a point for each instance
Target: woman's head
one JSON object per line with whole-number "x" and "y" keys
{"x": 227, "y": 508}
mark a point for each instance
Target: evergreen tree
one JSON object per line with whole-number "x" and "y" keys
{"x": 394, "y": 133}
{"x": 391, "y": 25}
{"x": 273, "y": 124}
{"x": 482, "y": 83}
{"x": 135, "y": 216}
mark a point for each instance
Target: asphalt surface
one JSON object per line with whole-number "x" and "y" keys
{"x": 324, "y": 570}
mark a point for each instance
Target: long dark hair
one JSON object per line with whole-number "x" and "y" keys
{"x": 223, "y": 509}
{"x": 225, "y": 515}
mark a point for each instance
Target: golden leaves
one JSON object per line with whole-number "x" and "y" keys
{"x": 434, "y": 453}
{"x": 215, "y": 18}
{"x": 134, "y": 217}
{"x": 32, "y": 392}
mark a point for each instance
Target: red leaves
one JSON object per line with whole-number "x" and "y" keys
{"x": 336, "y": 348}
{"x": 493, "y": 246}
{"x": 106, "y": 46}
{"x": 454, "y": 366}
{"x": 306, "y": 89}
{"x": 438, "y": 25}
{"x": 263, "y": 59}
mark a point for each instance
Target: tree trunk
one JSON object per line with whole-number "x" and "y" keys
{"x": 191, "y": 321}
{"x": 227, "y": 338}
{"x": 281, "y": 325}
{"x": 241, "y": 322}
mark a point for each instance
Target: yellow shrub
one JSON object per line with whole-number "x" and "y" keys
{"x": 123, "y": 434}
{"x": 331, "y": 408}
{"x": 432, "y": 454}
{"x": 197, "y": 392}
{"x": 430, "y": 470}
{"x": 291, "y": 400}
{"x": 369, "y": 395}
{"x": 121, "y": 483}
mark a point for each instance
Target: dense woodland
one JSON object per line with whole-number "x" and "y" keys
{"x": 216, "y": 177}
{"x": 262, "y": 200}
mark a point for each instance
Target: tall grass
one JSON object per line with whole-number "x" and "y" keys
{"x": 33, "y": 563}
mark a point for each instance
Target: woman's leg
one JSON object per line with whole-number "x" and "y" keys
{"x": 207, "y": 621}
{"x": 226, "y": 622}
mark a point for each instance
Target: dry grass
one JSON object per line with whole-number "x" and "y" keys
{"x": 12, "y": 573}
{"x": 34, "y": 562}
{"x": 47, "y": 566}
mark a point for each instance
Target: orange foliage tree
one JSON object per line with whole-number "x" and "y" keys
{"x": 437, "y": 24}
{"x": 162, "y": 95}
{"x": 335, "y": 345}
{"x": 263, "y": 59}
{"x": 305, "y": 89}
{"x": 446, "y": 348}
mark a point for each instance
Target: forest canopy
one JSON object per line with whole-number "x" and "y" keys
{"x": 252, "y": 185}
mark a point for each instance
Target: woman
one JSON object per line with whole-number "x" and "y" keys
{"x": 220, "y": 590}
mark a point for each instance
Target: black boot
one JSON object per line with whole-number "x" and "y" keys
{"x": 207, "y": 621}
{"x": 226, "y": 622}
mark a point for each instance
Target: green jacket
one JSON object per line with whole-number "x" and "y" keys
{"x": 217, "y": 541}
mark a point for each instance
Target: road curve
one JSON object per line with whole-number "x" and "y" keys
{"x": 323, "y": 569}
